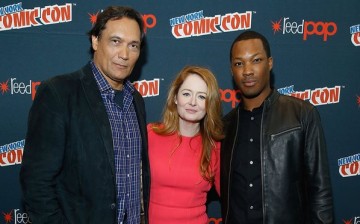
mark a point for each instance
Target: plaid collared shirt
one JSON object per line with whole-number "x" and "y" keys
{"x": 127, "y": 148}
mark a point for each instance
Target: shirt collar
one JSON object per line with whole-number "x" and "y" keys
{"x": 103, "y": 84}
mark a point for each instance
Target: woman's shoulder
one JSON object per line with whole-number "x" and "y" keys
{"x": 152, "y": 127}
{"x": 149, "y": 126}
{"x": 217, "y": 145}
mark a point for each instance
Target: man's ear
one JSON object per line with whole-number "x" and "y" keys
{"x": 270, "y": 59}
{"x": 94, "y": 42}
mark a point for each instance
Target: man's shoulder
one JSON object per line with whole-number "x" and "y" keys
{"x": 230, "y": 114}
{"x": 65, "y": 84}
{"x": 293, "y": 104}
{"x": 290, "y": 100}
{"x": 68, "y": 78}
{"x": 230, "y": 117}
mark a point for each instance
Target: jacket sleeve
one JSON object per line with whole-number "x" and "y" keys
{"x": 318, "y": 176}
{"x": 43, "y": 156}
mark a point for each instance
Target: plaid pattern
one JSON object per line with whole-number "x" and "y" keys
{"x": 127, "y": 148}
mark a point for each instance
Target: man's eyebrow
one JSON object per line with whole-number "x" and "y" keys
{"x": 135, "y": 42}
{"x": 252, "y": 56}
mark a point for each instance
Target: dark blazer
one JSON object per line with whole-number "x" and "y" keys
{"x": 68, "y": 173}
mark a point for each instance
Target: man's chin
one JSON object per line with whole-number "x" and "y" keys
{"x": 249, "y": 95}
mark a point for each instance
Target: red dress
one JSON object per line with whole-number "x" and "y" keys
{"x": 178, "y": 192}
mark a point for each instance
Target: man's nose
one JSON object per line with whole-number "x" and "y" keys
{"x": 123, "y": 52}
{"x": 247, "y": 70}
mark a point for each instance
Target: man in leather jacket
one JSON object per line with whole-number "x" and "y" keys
{"x": 274, "y": 166}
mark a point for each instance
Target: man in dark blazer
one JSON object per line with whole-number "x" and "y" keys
{"x": 86, "y": 144}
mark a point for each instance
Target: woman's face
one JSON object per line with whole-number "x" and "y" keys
{"x": 191, "y": 99}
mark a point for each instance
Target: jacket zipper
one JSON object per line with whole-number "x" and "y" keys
{"x": 262, "y": 161}
{"x": 280, "y": 133}
{"x": 230, "y": 170}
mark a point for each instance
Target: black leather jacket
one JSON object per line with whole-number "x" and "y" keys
{"x": 296, "y": 184}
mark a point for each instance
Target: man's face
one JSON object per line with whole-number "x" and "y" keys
{"x": 117, "y": 50}
{"x": 251, "y": 69}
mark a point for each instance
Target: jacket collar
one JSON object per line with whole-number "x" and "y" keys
{"x": 274, "y": 95}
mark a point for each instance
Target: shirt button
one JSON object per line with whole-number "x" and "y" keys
{"x": 128, "y": 195}
{"x": 251, "y": 207}
{"x": 128, "y": 175}
{"x": 251, "y": 162}
{"x": 127, "y": 156}
{"x": 113, "y": 205}
{"x": 250, "y": 185}
{"x": 252, "y": 118}
{"x": 251, "y": 140}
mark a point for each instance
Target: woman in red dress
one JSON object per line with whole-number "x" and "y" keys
{"x": 184, "y": 149}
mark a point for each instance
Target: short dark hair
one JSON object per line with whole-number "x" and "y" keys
{"x": 248, "y": 35}
{"x": 114, "y": 13}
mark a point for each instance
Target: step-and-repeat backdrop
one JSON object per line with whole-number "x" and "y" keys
{"x": 315, "y": 46}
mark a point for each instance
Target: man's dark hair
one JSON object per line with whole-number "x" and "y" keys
{"x": 248, "y": 35}
{"x": 115, "y": 13}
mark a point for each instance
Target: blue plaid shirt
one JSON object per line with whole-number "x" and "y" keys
{"x": 127, "y": 148}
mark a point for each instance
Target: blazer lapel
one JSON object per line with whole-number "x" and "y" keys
{"x": 141, "y": 116}
{"x": 97, "y": 106}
